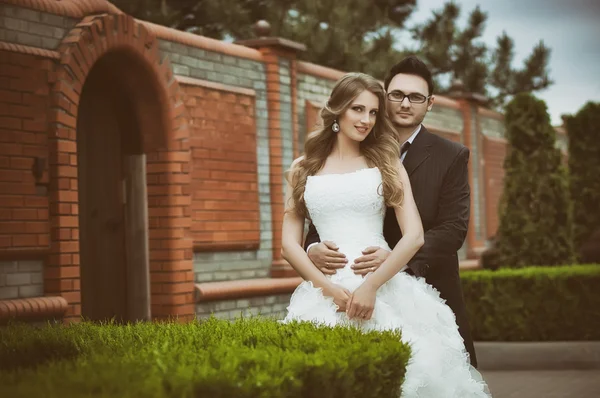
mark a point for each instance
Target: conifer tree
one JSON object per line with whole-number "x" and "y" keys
{"x": 454, "y": 53}
{"x": 583, "y": 130}
{"x": 359, "y": 35}
{"x": 535, "y": 222}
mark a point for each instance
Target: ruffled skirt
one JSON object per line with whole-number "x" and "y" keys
{"x": 439, "y": 366}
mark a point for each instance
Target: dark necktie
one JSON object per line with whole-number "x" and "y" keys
{"x": 404, "y": 148}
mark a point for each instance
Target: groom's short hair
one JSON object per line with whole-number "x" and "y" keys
{"x": 410, "y": 65}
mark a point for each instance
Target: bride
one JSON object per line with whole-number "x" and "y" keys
{"x": 350, "y": 173}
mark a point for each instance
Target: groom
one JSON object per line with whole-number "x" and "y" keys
{"x": 438, "y": 174}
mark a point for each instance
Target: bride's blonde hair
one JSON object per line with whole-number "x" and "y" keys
{"x": 380, "y": 148}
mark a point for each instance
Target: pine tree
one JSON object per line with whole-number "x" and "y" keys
{"x": 211, "y": 18}
{"x": 355, "y": 35}
{"x": 583, "y": 130}
{"x": 506, "y": 81}
{"x": 358, "y": 35}
{"x": 453, "y": 53}
{"x": 535, "y": 221}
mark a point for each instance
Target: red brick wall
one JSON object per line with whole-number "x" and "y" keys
{"x": 225, "y": 200}
{"x": 24, "y": 90}
{"x": 494, "y": 151}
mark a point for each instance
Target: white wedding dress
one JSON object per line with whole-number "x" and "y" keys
{"x": 349, "y": 210}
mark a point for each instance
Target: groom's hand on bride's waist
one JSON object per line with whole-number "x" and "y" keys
{"x": 326, "y": 257}
{"x": 371, "y": 259}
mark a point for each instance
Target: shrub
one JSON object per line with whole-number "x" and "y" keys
{"x": 534, "y": 303}
{"x": 535, "y": 215}
{"x": 215, "y": 358}
{"x": 490, "y": 258}
{"x": 583, "y": 130}
{"x": 589, "y": 251}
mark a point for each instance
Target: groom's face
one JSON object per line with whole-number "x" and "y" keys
{"x": 409, "y": 112}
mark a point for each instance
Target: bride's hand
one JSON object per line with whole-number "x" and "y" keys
{"x": 362, "y": 303}
{"x": 339, "y": 294}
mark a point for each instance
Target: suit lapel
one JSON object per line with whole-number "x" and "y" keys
{"x": 418, "y": 151}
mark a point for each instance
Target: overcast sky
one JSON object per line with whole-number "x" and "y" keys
{"x": 570, "y": 28}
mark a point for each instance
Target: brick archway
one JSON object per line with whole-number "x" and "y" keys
{"x": 164, "y": 138}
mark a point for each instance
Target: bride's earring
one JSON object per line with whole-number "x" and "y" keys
{"x": 335, "y": 127}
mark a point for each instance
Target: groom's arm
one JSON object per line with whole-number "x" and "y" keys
{"x": 311, "y": 237}
{"x": 325, "y": 257}
{"x": 450, "y": 230}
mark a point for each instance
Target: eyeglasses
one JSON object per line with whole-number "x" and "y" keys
{"x": 413, "y": 98}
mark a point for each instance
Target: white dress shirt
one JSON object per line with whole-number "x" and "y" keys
{"x": 410, "y": 140}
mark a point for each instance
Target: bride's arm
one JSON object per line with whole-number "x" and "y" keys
{"x": 412, "y": 239}
{"x": 291, "y": 241}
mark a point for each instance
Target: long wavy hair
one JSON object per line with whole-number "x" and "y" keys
{"x": 380, "y": 148}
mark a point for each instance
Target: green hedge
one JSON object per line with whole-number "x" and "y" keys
{"x": 534, "y": 303}
{"x": 247, "y": 358}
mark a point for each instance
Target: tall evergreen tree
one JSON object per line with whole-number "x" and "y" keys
{"x": 354, "y": 35}
{"x": 455, "y": 53}
{"x": 535, "y": 214}
{"x": 358, "y": 35}
{"x": 211, "y": 18}
{"x": 583, "y": 130}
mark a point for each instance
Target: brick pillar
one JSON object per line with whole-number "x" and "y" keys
{"x": 469, "y": 103}
{"x": 298, "y": 149}
{"x": 280, "y": 64}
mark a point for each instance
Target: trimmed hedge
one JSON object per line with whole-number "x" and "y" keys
{"x": 534, "y": 303}
{"x": 215, "y": 358}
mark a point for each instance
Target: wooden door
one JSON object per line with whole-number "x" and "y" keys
{"x": 101, "y": 205}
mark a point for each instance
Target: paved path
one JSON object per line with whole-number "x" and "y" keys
{"x": 544, "y": 383}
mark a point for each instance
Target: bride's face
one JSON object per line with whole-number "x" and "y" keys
{"x": 358, "y": 120}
